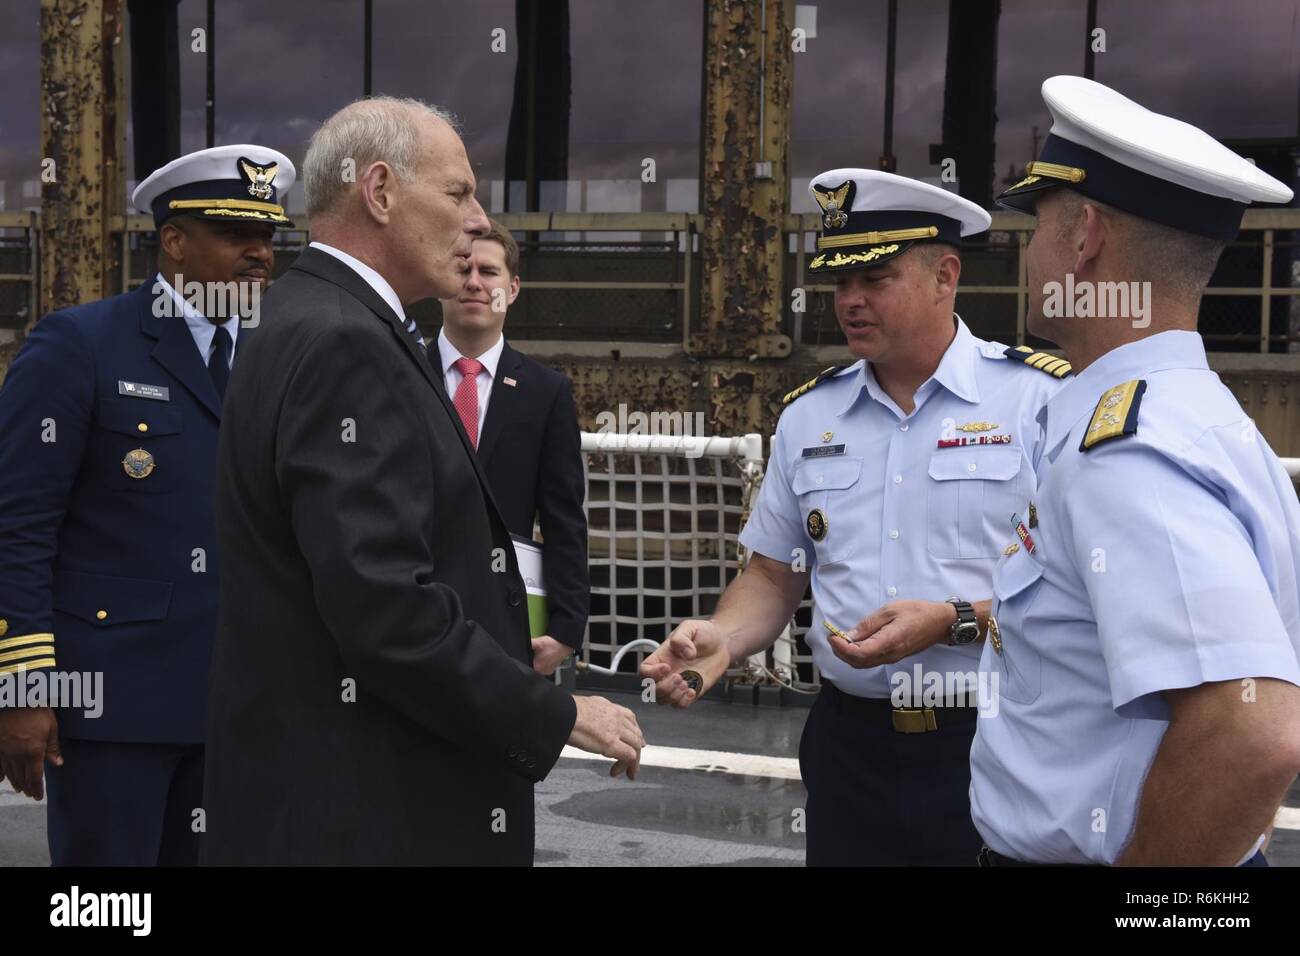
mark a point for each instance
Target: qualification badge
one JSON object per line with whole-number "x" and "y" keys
{"x": 817, "y": 524}
{"x": 138, "y": 463}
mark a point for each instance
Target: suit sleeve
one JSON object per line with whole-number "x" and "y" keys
{"x": 561, "y": 489}
{"x": 46, "y": 407}
{"x": 363, "y": 513}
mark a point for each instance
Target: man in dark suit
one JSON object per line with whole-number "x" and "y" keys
{"x": 372, "y": 697}
{"x": 108, "y": 442}
{"x": 520, "y": 416}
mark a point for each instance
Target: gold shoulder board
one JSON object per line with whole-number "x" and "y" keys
{"x": 809, "y": 385}
{"x": 1043, "y": 361}
{"x": 1116, "y": 414}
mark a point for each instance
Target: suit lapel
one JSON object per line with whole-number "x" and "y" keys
{"x": 176, "y": 351}
{"x": 505, "y": 402}
{"x": 327, "y": 267}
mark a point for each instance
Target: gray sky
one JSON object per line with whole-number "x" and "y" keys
{"x": 1233, "y": 68}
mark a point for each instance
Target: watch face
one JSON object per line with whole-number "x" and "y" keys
{"x": 966, "y": 632}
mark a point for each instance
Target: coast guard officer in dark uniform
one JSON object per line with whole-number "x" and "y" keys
{"x": 108, "y": 577}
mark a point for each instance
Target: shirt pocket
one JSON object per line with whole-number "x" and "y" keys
{"x": 830, "y": 485}
{"x": 973, "y": 492}
{"x": 136, "y": 445}
{"x": 1019, "y": 668}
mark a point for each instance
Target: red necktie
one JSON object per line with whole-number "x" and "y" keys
{"x": 466, "y": 397}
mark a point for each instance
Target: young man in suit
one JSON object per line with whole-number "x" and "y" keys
{"x": 521, "y": 417}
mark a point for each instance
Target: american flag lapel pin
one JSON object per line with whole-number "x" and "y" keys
{"x": 510, "y": 381}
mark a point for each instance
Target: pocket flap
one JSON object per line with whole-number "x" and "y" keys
{"x": 819, "y": 474}
{"x": 986, "y": 463}
{"x": 1015, "y": 574}
{"x": 127, "y": 416}
{"x": 122, "y": 600}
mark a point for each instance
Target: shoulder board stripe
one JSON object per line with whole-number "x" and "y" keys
{"x": 811, "y": 384}
{"x": 1043, "y": 361}
{"x": 1116, "y": 414}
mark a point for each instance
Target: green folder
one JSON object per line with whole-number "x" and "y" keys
{"x": 529, "y": 557}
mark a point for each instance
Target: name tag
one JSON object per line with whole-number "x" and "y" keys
{"x": 159, "y": 393}
{"x": 823, "y": 451}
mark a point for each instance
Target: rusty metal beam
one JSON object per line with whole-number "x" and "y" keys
{"x": 82, "y": 135}
{"x": 744, "y": 182}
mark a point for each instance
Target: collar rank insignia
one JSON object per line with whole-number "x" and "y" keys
{"x": 1043, "y": 361}
{"x": 1116, "y": 414}
{"x": 834, "y": 203}
{"x": 259, "y": 178}
{"x": 811, "y": 384}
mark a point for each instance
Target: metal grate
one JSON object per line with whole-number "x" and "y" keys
{"x": 663, "y": 519}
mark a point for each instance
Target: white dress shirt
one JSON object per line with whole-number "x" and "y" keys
{"x": 373, "y": 278}
{"x": 448, "y": 354}
{"x": 202, "y": 330}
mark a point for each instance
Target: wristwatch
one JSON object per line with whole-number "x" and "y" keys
{"x": 966, "y": 628}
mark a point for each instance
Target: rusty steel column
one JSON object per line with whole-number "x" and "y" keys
{"x": 747, "y": 72}
{"x": 744, "y": 187}
{"x": 82, "y": 141}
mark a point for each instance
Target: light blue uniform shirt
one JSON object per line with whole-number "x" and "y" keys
{"x": 905, "y": 518}
{"x": 1162, "y": 559}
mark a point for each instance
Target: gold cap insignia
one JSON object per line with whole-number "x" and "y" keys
{"x": 4, "y": 627}
{"x": 834, "y": 203}
{"x": 138, "y": 463}
{"x": 260, "y": 178}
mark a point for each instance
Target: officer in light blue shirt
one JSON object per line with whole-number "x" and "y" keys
{"x": 1147, "y": 616}
{"x": 888, "y": 484}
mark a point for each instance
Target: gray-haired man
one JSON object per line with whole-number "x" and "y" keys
{"x": 372, "y": 700}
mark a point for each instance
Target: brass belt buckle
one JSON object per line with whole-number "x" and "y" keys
{"x": 914, "y": 720}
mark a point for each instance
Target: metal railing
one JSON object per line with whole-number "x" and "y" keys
{"x": 547, "y": 230}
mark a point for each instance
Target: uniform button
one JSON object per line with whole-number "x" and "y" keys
{"x": 898, "y": 479}
{"x": 513, "y": 597}
{"x": 820, "y": 479}
{"x": 892, "y": 591}
{"x": 902, "y": 427}
{"x": 971, "y": 466}
{"x": 101, "y": 614}
{"x": 142, "y": 427}
{"x": 893, "y": 533}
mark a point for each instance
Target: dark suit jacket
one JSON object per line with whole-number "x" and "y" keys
{"x": 80, "y": 536}
{"x": 361, "y": 541}
{"x": 531, "y": 449}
